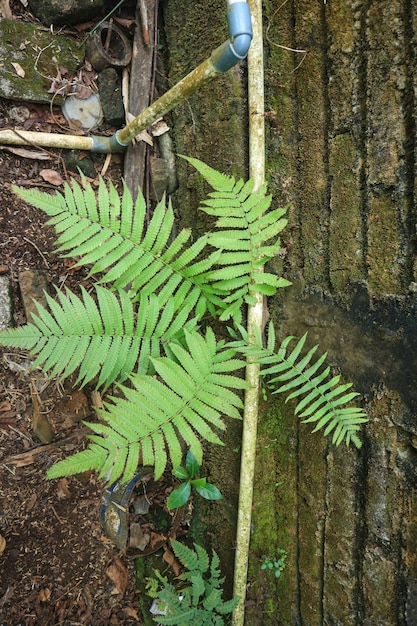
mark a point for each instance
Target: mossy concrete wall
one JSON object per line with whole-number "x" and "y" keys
{"x": 341, "y": 140}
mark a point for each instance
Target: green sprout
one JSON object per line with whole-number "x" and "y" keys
{"x": 277, "y": 564}
{"x": 188, "y": 474}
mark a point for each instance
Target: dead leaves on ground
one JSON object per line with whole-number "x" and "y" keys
{"x": 52, "y": 177}
{"x": 119, "y": 575}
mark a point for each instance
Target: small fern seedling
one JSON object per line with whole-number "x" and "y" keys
{"x": 197, "y": 599}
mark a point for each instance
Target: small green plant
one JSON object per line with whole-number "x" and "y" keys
{"x": 197, "y": 598}
{"x": 276, "y": 564}
{"x": 188, "y": 474}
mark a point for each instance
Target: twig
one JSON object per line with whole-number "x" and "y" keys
{"x": 272, "y": 43}
{"x": 145, "y": 22}
{"x": 28, "y": 457}
{"x": 37, "y": 249}
{"x": 93, "y": 30}
{"x": 60, "y": 520}
{"x": 109, "y": 34}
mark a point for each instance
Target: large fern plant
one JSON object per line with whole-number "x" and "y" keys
{"x": 140, "y": 324}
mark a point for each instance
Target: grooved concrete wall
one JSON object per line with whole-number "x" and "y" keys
{"x": 341, "y": 144}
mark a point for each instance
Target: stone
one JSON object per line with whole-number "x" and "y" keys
{"x": 74, "y": 162}
{"x": 30, "y": 58}
{"x": 68, "y": 12}
{"x": 33, "y": 286}
{"x": 5, "y": 303}
{"x": 159, "y": 178}
{"x": 110, "y": 89}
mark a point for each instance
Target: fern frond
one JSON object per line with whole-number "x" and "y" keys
{"x": 323, "y": 399}
{"x": 107, "y": 339}
{"x": 108, "y": 234}
{"x": 189, "y": 558}
{"x": 247, "y": 236}
{"x": 201, "y": 602}
{"x": 92, "y": 458}
{"x": 185, "y": 401}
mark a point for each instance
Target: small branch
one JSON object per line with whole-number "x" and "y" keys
{"x": 256, "y": 107}
{"x": 29, "y": 457}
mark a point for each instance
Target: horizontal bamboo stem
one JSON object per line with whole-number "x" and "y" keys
{"x": 45, "y": 140}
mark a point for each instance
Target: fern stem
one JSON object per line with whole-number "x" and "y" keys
{"x": 255, "y": 320}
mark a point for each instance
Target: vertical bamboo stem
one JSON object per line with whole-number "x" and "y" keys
{"x": 255, "y": 316}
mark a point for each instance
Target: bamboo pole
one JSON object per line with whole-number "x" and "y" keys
{"x": 12, "y": 137}
{"x": 201, "y": 75}
{"x": 255, "y": 317}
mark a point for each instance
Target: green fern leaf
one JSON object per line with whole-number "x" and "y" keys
{"x": 197, "y": 589}
{"x": 247, "y": 237}
{"x": 183, "y": 614}
{"x": 99, "y": 339}
{"x": 107, "y": 233}
{"x": 202, "y": 595}
{"x": 187, "y": 557}
{"x": 227, "y": 607}
{"x": 212, "y": 599}
{"x": 203, "y": 559}
{"x": 185, "y": 402}
{"x": 91, "y": 459}
{"x": 320, "y": 400}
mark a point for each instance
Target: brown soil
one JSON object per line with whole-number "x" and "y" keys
{"x": 57, "y": 566}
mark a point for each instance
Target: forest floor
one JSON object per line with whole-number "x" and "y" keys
{"x": 56, "y": 565}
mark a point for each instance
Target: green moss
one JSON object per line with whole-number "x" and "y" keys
{"x": 144, "y": 569}
{"x": 211, "y": 125}
{"x": 274, "y": 517}
{"x": 345, "y": 246}
{"x": 384, "y": 251}
{"x": 39, "y": 54}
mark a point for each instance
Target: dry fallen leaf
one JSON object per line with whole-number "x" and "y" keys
{"x": 77, "y": 401}
{"x": 28, "y": 154}
{"x": 44, "y": 594}
{"x": 130, "y": 612}
{"x": 159, "y": 128}
{"x": 2, "y": 544}
{"x": 169, "y": 558}
{"x": 19, "y": 70}
{"x": 51, "y": 177}
{"x": 119, "y": 575}
{"x": 62, "y": 490}
{"x": 143, "y": 136}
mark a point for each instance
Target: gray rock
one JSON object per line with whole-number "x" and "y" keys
{"x": 68, "y": 12}
{"x": 110, "y": 88}
{"x": 5, "y": 303}
{"x": 30, "y": 61}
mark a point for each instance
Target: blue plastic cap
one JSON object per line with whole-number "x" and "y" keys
{"x": 240, "y": 27}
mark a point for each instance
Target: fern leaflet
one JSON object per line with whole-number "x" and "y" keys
{"x": 185, "y": 401}
{"x": 323, "y": 399}
{"x": 198, "y": 603}
{"x": 246, "y": 236}
{"x": 108, "y": 339}
{"x": 108, "y": 233}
